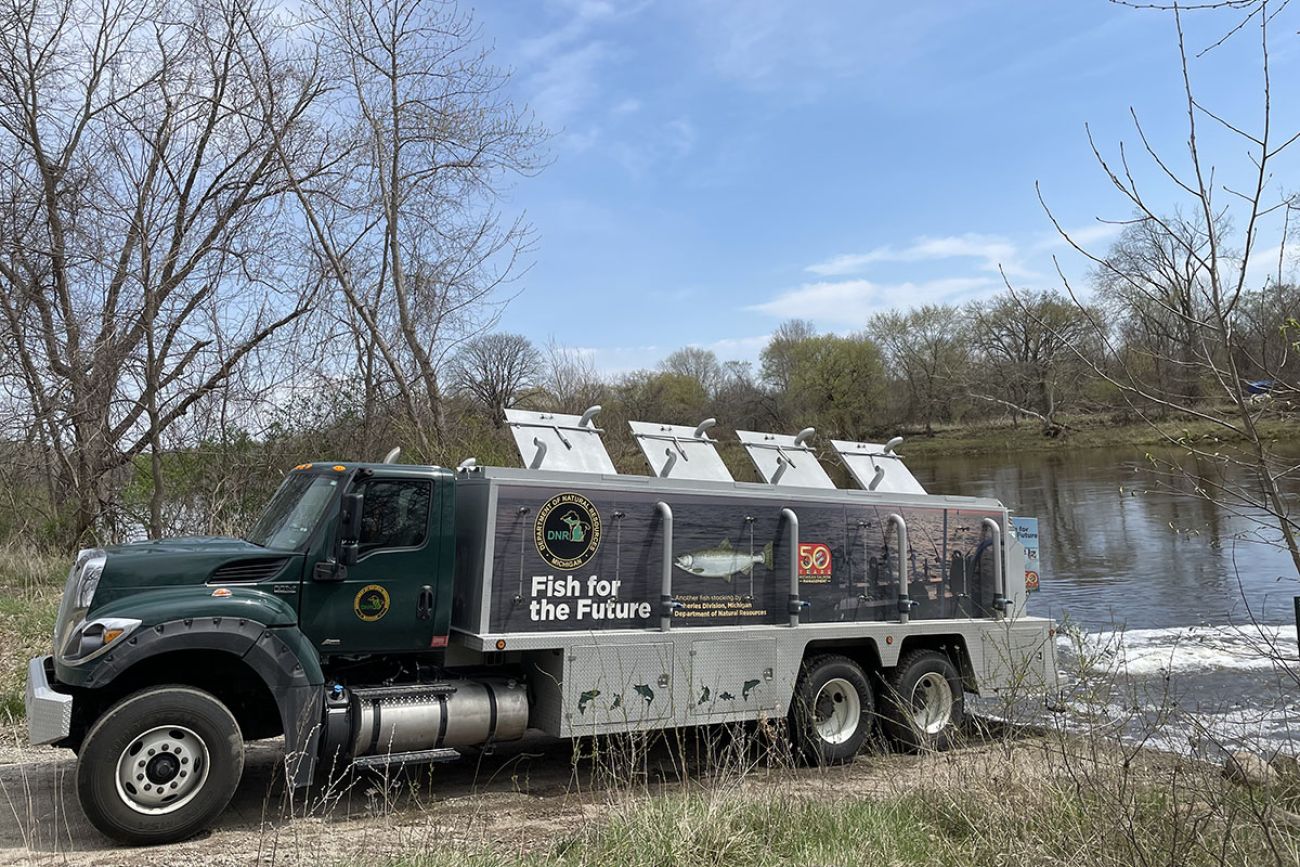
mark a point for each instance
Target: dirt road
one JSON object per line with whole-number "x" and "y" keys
{"x": 521, "y": 798}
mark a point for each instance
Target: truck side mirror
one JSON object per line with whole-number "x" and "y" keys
{"x": 350, "y": 528}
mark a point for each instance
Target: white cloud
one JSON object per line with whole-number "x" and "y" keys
{"x": 583, "y": 17}
{"x": 615, "y": 360}
{"x": 1087, "y": 237}
{"x": 568, "y": 82}
{"x": 626, "y": 106}
{"x": 775, "y": 44}
{"x": 993, "y": 252}
{"x": 1271, "y": 264}
{"x": 739, "y": 348}
{"x": 850, "y": 303}
{"x": 681, "y": 136}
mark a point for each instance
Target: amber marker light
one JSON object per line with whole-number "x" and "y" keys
{"x": 221, "y": 592}
{"x": 501, "y": 644}
{"x": 889, "y": 639}
{"x": 338, "y": 468}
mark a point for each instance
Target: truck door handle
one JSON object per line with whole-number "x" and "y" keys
{"x": 424, "y": 607}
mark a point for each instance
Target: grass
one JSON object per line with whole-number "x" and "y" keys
{"x": 1121, "y": 818}
{"x": 1095, "y": 431}
{"x": 31, "y": 583}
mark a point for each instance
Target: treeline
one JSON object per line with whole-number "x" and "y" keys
{"x": 1012, "y": 359}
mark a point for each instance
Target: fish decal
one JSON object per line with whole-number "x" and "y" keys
{"x": 726, "y": 696}
{"x": 618, "y": 702}
{"x": 587, "y": 698}
{"x": 704, "y": 696}
{"x": 645, "y": 692}
{"x": 723, "y": 561}
{"x": 748, "y": 688}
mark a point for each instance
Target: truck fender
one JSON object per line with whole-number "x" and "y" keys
{"x": 281, "y": 656}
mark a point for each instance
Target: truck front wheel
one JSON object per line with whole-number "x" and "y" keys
{"x": 832, "y": 711}
{"x": 160, "y": 765}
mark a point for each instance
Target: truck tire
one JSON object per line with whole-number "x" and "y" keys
{"x": 924, "y": 702}
{"x": 160, "y": 765}
{"x": 832, "y": 710}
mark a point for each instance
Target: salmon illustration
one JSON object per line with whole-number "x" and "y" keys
{"x": 723, "y": 561}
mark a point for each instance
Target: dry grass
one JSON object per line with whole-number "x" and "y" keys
{"x": 31, "y": 582}
{"x": 1047, "y": 800}
{"x": 1092, "y": 431}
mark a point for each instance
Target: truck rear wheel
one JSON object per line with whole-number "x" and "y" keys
{"x": 832, "y": 711}
{"x": 160, "y": 765}
{"x": 924, "y": 702}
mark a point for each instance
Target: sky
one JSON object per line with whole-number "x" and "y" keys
{"x": 717, "y": 167}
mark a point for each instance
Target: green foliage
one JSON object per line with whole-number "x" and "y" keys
{"x": 673, "y": 395}
{"x": 837, "y": 384}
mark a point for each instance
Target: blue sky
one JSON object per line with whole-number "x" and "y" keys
{"x": 719, "y": 167}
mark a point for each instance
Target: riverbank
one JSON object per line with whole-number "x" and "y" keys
{"x": 1084, "y": 432}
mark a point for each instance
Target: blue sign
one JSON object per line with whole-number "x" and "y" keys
{"x": 1026, "y": 530}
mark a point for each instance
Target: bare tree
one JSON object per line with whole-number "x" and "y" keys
{"x": 140, "y": 222}
{"x": 406, "y": 227}
{"x": 1211, "y": 257}
{"x": 1030, "y": 345}
{"x": 496, "y": 370}
{"x": 571, "y": 379}
{"x": 927, "y": 350}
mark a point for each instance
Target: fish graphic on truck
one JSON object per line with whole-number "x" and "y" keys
{"x": 723, "y": 561}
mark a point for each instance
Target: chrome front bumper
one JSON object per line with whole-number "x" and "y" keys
{"x": 49, "y": 713}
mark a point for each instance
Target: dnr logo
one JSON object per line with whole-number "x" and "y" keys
{"x": 567, "y": 531}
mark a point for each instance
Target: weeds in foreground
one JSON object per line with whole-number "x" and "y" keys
{"x": 31, "y": 583}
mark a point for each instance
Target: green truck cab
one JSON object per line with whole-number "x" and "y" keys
{"x": 347, "y": 564}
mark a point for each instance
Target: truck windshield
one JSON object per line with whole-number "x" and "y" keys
{"x": 293, "y": 512}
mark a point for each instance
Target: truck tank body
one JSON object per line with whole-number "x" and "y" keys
{"x": 520, "y": 570}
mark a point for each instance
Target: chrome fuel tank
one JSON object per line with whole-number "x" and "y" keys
{"x": 461, "y": 713}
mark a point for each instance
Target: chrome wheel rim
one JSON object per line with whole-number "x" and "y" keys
{"x": 836, "y": 711}
{"x": 162, "y": 770}
{"x": 931, "y": 703}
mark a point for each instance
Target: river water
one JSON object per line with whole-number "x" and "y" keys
{"x": 1178, "y": 612}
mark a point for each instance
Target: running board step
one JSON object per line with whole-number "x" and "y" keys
{"x": 415, "y": 757}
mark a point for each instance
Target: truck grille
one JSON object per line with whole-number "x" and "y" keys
{"x": 258, "y": 569}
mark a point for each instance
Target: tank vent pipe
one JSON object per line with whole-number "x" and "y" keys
{"x": 796, "y": 604}
{"x": 541, "y": 453}
{"x": 999, "y": 573}
{"x": 666, "y": 603}
{"x": 904, "y": 600}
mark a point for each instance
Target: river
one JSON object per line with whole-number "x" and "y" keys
{"x": 1180, "y": 625}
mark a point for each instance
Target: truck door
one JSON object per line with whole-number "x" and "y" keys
{"x": 385, "y": 601}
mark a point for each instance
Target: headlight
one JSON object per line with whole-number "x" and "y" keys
{"x": 78, "y": 594}
{"x": 93, "y": 638}
{"x": 89, "y": 581}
